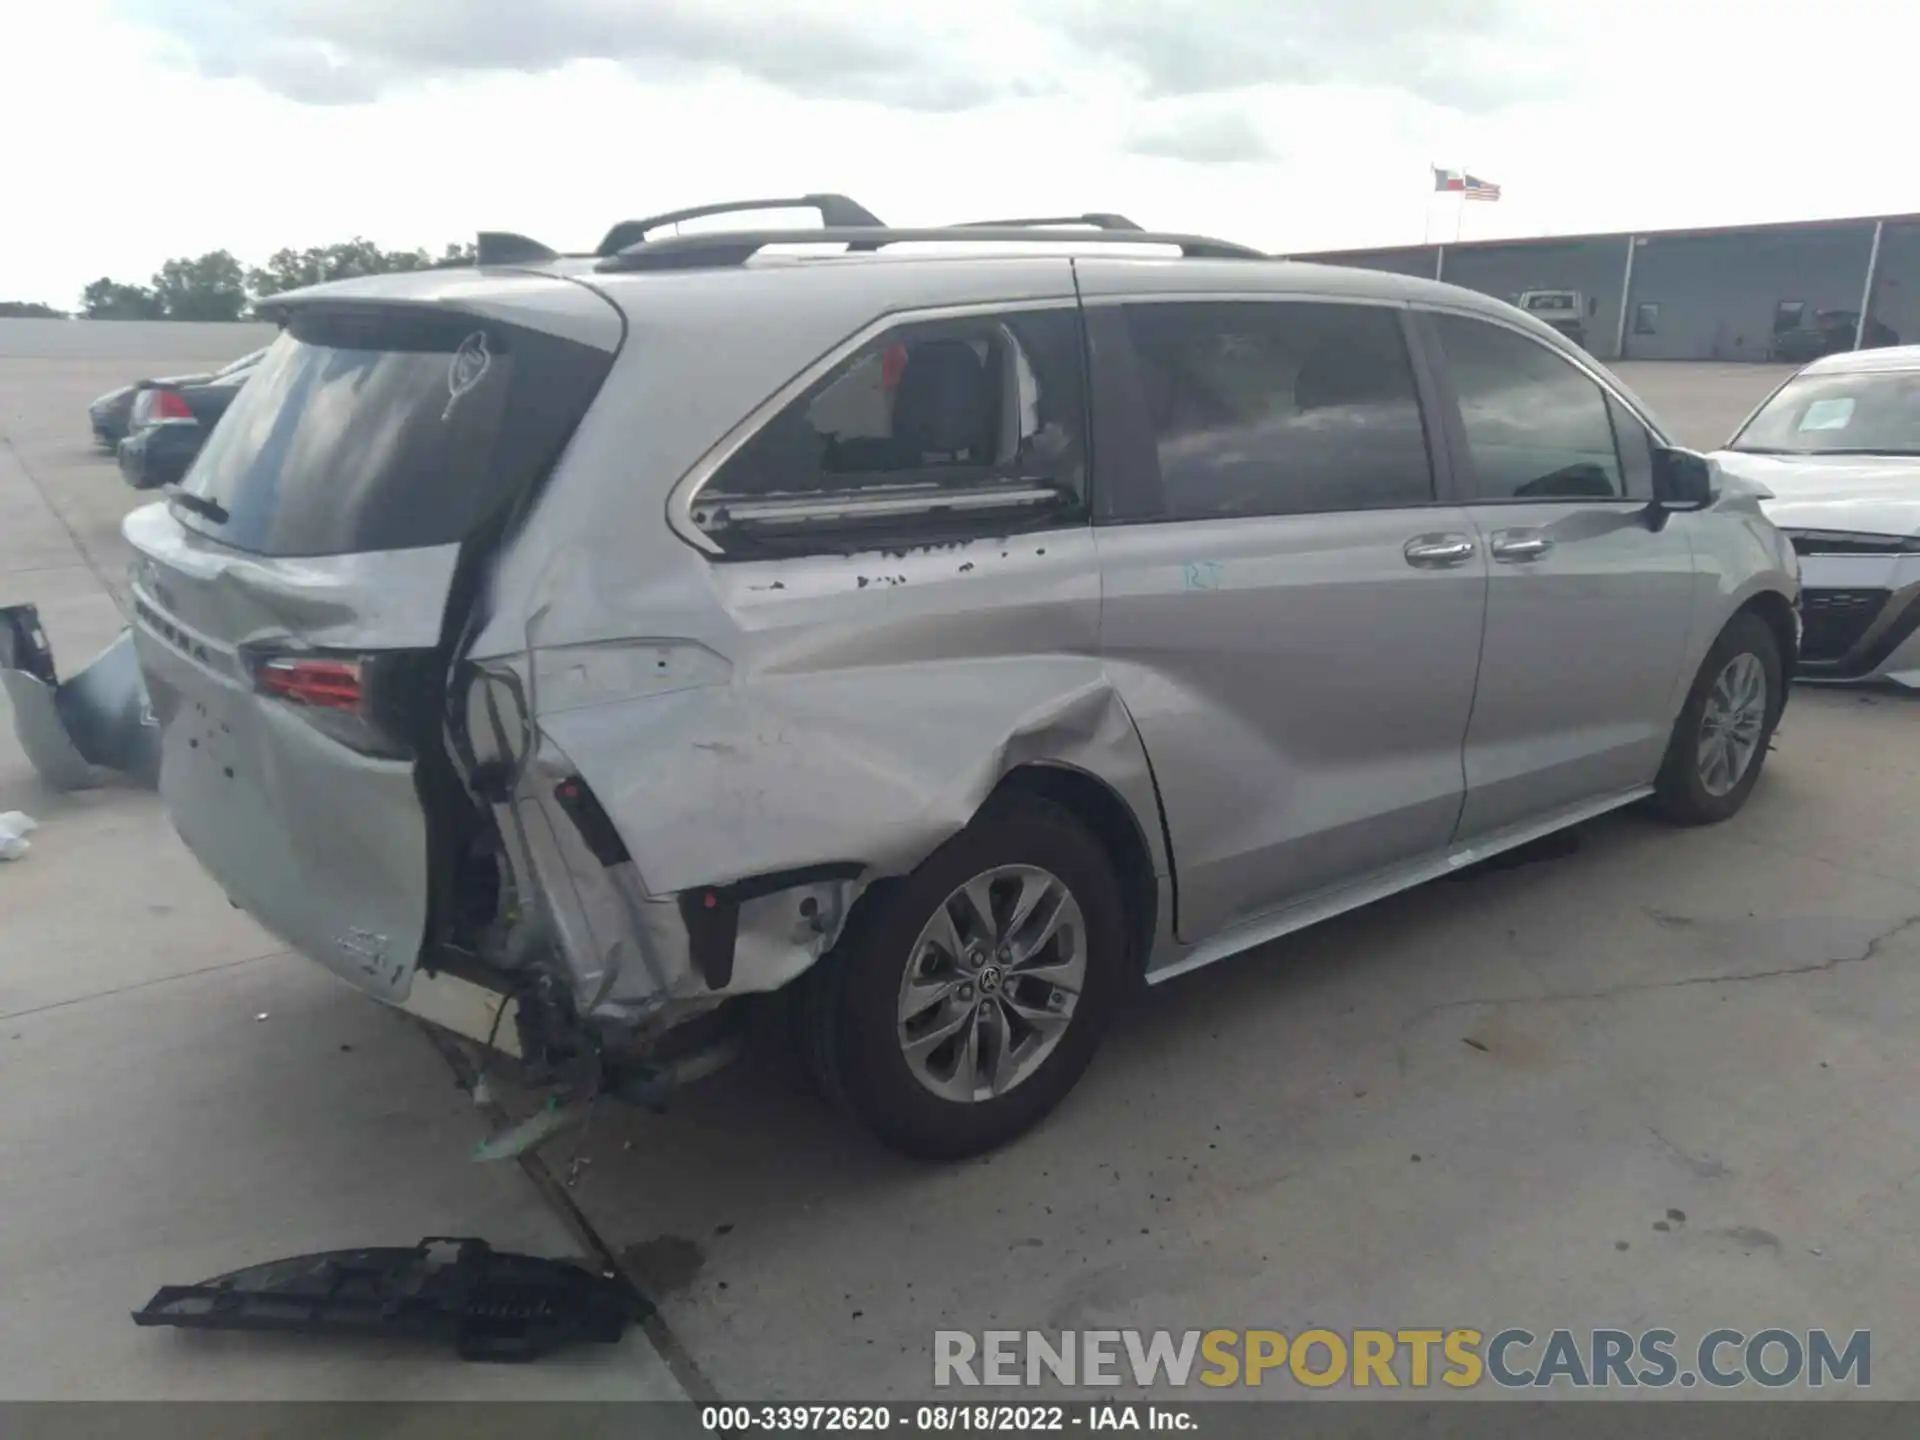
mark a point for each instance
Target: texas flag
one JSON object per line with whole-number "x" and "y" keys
{"x": 1459, "y": 182}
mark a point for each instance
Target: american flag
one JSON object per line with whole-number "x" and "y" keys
{"x": 1477, "y": 189}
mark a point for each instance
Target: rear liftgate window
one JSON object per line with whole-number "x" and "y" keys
{"x": 955, "y": 427}
{"x": 388, "y": 430}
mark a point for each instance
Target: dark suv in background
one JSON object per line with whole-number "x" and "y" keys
{"x": 170, "y": 420}
{"x": 1828, "y": 332}
{"x": 110, "y": 417}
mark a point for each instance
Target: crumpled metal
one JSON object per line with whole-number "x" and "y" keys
{"x": 78, "y": 731}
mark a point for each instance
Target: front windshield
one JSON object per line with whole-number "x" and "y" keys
{"x": 1876, "y": 413}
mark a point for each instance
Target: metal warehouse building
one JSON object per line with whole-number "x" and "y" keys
{"x": 1720, "y": 294}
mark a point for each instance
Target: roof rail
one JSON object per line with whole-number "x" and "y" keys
{"x": 835, "y": 211}
{"x": 1099, "y": 220}
{"x": 503, "y": 247}
{"x": 736, "y": 247}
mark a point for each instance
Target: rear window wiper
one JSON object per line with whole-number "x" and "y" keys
{"x": 200, "y": 505}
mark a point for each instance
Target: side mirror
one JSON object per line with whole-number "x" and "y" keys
{"x": 1682, "y": 479}
{"x": 1593, "y": 305}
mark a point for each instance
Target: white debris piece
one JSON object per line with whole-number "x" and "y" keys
{"x": 15, "y": 826}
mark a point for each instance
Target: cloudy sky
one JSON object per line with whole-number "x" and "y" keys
{"x": 141, "y": 129}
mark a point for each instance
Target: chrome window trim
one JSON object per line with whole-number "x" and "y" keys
{"x": 840, "y": 504}
{"x": 1246, "y": 297}
{"x": 686, "y": 491}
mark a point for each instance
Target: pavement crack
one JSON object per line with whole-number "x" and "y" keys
{"x": 652, "y": 1324}
{"x": 1739, "y": 977}
{"x": 142, "y": 985}
{"x": 59, "y": 518}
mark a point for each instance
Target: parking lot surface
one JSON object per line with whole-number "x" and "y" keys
{"x": 183, "y": 1098}
{"x": 1649, "y": 1078}
{"x": 1702, "y": 403}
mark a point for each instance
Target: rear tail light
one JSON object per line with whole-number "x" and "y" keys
{"x": 363, "y": 701}
{"x": 328, "y": 684}
{"x": 168, "y": 405}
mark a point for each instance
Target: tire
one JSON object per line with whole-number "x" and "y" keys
{"x": 1692, "y": 790}
{"x": 857, "y": 1018}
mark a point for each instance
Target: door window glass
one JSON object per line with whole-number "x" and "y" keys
{"x": 944, "y": 405}
{"x": 1536, "y": 427}
{"x": 1275, "y": 408}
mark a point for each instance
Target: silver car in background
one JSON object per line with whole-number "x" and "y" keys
{"x": 945, "y": 640}
{"x": 1838, "y": 448}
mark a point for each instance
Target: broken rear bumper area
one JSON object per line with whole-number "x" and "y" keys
{"x": 76, "y": 731}
{"x": 591, "y": 957}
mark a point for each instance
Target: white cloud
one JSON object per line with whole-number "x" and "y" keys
{"x": 1206, "y": 134}
{"x": 200, "y": 127}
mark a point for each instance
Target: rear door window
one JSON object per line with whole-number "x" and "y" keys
{"x": 1279, "y": 408}
{"x": 929, "y": 423}
{"x": 369, "y": 431}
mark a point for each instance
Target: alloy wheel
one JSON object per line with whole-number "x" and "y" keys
{"x": 1731, "y": 723}
{"x": 992, "y": 983}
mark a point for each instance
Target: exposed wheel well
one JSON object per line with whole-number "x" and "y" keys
{"x": 1118, "y": 830}
{"x": 1777, "y": 611}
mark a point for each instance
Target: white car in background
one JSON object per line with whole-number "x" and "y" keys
{"x": 1838, "y": 447}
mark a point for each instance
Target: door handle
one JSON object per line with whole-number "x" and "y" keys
{"x": 1438, "y": 552}
{"x": 1510, "y": 546}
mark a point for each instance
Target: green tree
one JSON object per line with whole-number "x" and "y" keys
{"x": 109, "y": 299}
{"x": 212, "y": 287}
{"x": 29, "y": 310}
{"x": 291, "y": 269}
{"x": 217, "y": 287}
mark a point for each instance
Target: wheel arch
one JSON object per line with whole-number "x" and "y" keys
{"x": 1776, "y": 611}
{"x": 1102, "y": 809}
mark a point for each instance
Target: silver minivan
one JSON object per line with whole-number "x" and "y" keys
{"x": 943, "y": 630}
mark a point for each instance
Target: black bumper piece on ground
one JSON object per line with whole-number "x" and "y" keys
{"x": 489, "y": 1304}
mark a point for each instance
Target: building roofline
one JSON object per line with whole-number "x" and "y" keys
{"x": 1693, "y": 233}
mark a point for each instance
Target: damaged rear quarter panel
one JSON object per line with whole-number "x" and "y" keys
{"x": 835, "y": 708}
{"x": 874, "y": 703}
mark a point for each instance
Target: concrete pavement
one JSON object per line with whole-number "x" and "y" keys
{"x": 178, "y": 1096}
{"x": 1702, "y": 403}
